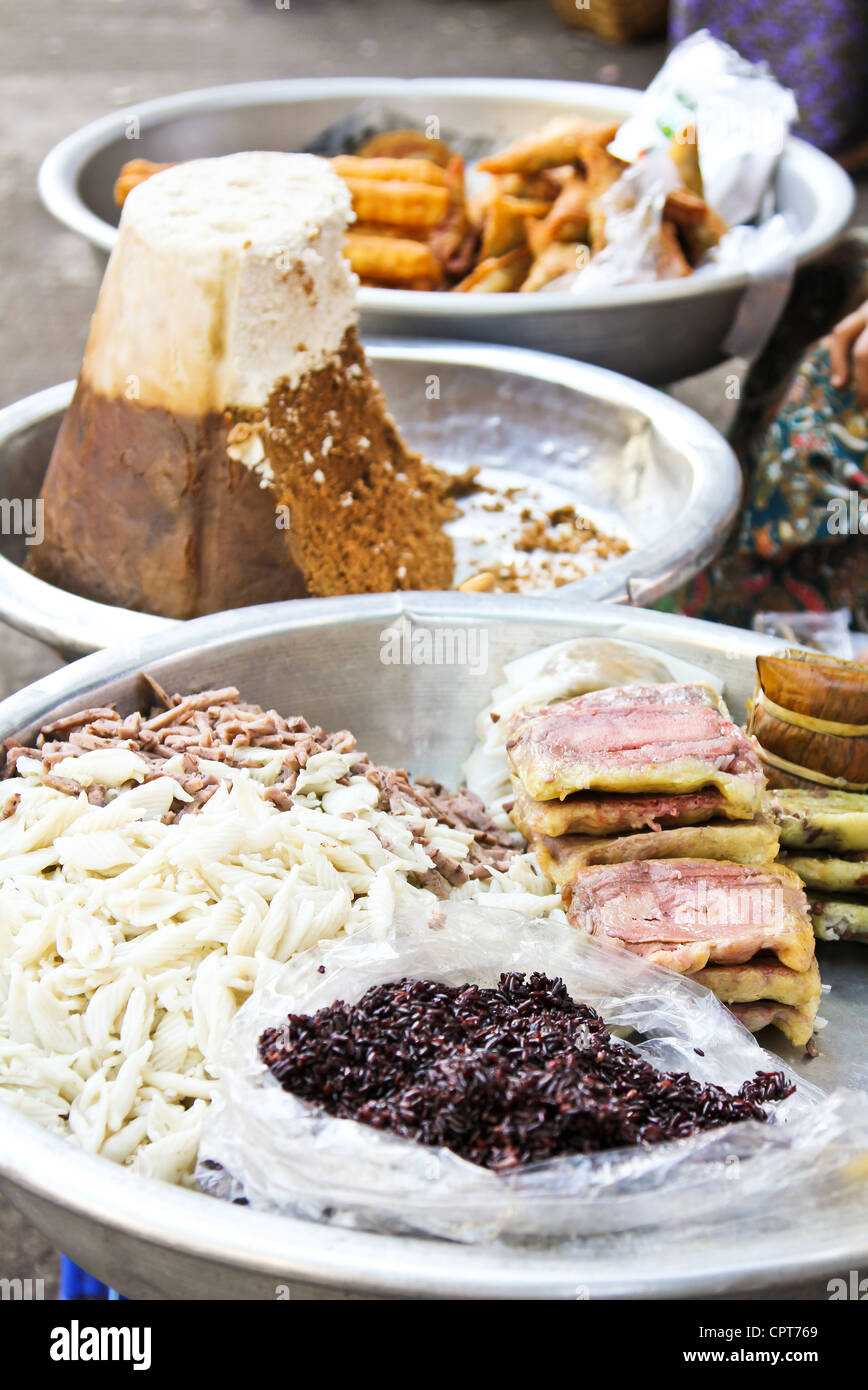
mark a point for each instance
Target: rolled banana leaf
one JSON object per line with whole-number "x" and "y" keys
{"x": 810, "y": 715}
{"x": 818, "y": 686}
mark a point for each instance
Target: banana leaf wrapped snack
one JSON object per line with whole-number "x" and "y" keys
{"x": 810, "y": 716}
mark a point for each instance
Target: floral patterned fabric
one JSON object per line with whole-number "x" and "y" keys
{"x": 803, "y": 446}
{"x": 815, "y": 47}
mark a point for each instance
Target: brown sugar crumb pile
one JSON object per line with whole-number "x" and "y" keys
{"x": 366, "y": 515}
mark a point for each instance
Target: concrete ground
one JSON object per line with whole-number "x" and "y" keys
{"x": 66, "y": 62}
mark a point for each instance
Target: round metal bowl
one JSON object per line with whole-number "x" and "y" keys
{"x": 641, "y": 465}
{"x": 152, "y": 1240}
{"x": 656, "y": 333}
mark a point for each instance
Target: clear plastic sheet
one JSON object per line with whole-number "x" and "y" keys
{"x": 263, "y": 1145}
{"x": 827, "y": 632}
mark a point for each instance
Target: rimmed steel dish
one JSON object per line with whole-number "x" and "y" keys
{"x": 657, "y": 333}
{"x": 640, "y": 465}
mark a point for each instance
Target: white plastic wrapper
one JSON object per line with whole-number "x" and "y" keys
{"x": 741, "y": 114}
{"x": 262, "y": 1144}
{"x": 559, "y": 672}
{"x": 827, "y": 632}
{"x": 634, "y": 215}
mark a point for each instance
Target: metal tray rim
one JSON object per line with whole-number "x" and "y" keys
{"x": 76, "y": 625}
{"x": 145, "y": 1212}
{"x": 60, "y": 173}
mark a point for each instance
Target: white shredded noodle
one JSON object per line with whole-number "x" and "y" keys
{"x": 127, "y": 944}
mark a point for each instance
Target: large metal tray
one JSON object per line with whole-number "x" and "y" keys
{"x": 656, "y": 333}
{"x": 641, "y": 465}
{"x": 322, "y": 658}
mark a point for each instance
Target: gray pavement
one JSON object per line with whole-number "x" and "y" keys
{"x": 65, "y": 62}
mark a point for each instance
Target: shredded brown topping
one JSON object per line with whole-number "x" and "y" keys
{"x": 218, "y": 726}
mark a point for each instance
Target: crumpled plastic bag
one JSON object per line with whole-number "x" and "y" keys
{"x": 742, "y": 117}
{"x": 826, "y": 632}
{"x": 262, "y": 1145}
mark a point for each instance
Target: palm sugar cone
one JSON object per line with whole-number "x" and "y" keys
{"x": 227, "y": 444}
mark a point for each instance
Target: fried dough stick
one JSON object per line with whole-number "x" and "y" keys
{"x": 134, "y": 172}
{"x": 388, "y": 260}
{"x": 397, "y": 202}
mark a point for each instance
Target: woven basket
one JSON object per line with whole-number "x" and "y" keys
{"x": 618, "y": 20}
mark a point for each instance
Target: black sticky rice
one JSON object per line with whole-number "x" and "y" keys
{"x": 503, "y": 1077}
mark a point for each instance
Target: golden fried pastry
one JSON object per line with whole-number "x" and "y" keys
{"x": 560, "y": 258}
{"x": 350, "y": 166}
{"x": 390, "y": 260}
{"x": 559, "y": 142}
{"x": 392, "y": 200}
{"x": 567, "y": 219}
{"x": 684, "y": 153}
{"x": 500, "y": 275}
{"x": 504, "y": 226}
{"x": 405, "y": 144}
{"x": 134, "y": 172}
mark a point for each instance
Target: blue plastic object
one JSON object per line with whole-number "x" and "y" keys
{"x": 76, "y": 1283}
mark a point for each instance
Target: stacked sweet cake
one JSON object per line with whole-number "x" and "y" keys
{"x": 644, "y": 804}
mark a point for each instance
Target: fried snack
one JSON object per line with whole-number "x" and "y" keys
{"x": 699, "y": 228}
{"x": 405, "y": 144}
{"x": 544, "y": 187}
{"x": 504, "y": 226}
{"x": 567, "y": 219}
{"x": 500, "y": 275}
{"x": 820, "y": 819}
{"x": 671, "y": 261}
{"x": 384, "y": 229}
{"x": 687, "y": 913}
{"x": 561, "y": 141}
{"x": 684, "y": 153}
{"x": 351, "y": 166}
{"x": 684, "y": 208}
{"x": 134, "y": 172}
{"x": 560, "y": 258}
{"x": 455, "y": 241}
{"x": 831, "y": 873}
{"x": 839, "y": 918}
{"x": 602, "y": 170}
{"x": 399, "y": 203}
{"x": 740, "y": 842}
{"x": 652, "y": 738}
{"x": 393, "y": 261}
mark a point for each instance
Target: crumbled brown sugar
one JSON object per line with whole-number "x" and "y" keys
{"x": 363, "y": 519}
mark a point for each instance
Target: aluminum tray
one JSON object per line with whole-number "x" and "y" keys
{"x": 656, "y": 333}
{"x": 638, "y": 463}
{"x": 322, "y": 658}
